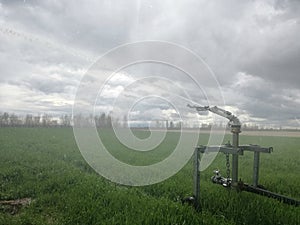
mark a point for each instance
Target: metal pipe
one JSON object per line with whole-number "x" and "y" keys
{"x": 196, "y": 178}
{"x": 235, "y": 157}
{"x": 270, "y": 194}
{"x": 255, "y": 169}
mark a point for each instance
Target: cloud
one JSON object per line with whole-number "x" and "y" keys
{"x": 252, "y": 46}
{"x": 21, "y": 99}
{"x": 258, "y": 99}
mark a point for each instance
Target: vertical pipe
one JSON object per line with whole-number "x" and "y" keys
{"x": 196, "y": 178}
{"x": 255, "y": 169}
{"x": 235, "y": 157}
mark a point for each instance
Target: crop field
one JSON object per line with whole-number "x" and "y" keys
{"x": 45, "y": 165}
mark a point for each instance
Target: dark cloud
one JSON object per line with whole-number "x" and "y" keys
{"x": 95, "y": 25}
{"x": 263, "y": 100}
{"x": 46, "y": 47}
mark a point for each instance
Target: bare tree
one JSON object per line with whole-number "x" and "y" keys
{"x": 29, "y": 120}
{"x": 46, "y": 120}
{"x": 109, "y": 120}
{"x": 65, "y": 120}
{"x": 13, "y": 120}
{"x": 37, "y": 120}
{"x": 102, "y": 120}
{"x": 5, "y": 119}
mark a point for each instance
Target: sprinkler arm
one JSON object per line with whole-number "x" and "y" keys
{"x": 233, "y": 120}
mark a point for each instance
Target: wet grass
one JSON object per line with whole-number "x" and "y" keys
{"x": 45, "y": 164}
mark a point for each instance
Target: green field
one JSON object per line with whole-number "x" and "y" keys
{"x": 44, "y": 164}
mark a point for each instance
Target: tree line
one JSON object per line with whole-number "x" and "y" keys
{"x": 103, "y": 120}
{"x": 66, "y": 120}
{"x": 30, "y": 120}
{"x": 47, "y": 120}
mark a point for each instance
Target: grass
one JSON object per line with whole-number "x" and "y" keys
{"x": 45, "y": 165}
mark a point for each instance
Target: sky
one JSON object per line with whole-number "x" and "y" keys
{"x": 252, "y": 47}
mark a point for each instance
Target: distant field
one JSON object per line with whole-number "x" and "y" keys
{"x": 273, "y": 133}
{"x": 279, "y": 133}
{"x": 44, "y": 164}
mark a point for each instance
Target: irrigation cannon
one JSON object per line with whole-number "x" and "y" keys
{"x": 236, "y": 150}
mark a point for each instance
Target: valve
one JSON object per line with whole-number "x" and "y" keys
{"x": 218, "y": 179}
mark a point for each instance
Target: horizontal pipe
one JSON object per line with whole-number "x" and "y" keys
{"x": 270, "y": 194}
{"x": 256, "y": 190}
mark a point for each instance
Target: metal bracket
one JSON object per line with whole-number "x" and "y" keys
{"x": 255, "y": 148}
{"x": 222, "y": 148}
{"x": 229, "y": 149}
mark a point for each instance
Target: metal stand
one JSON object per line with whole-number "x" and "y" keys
{"x": 255, "y": 169}
{"x": 228, "y": 182}
{"x": 197, "y": 179}
{"x": 235, "y": 149}
{"x": 235, "y": 130}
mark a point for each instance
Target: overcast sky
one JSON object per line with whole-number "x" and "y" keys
{"x": 252, "y": 47}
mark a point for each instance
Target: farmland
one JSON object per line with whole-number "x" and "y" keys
{"x": 44, "y": 164}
